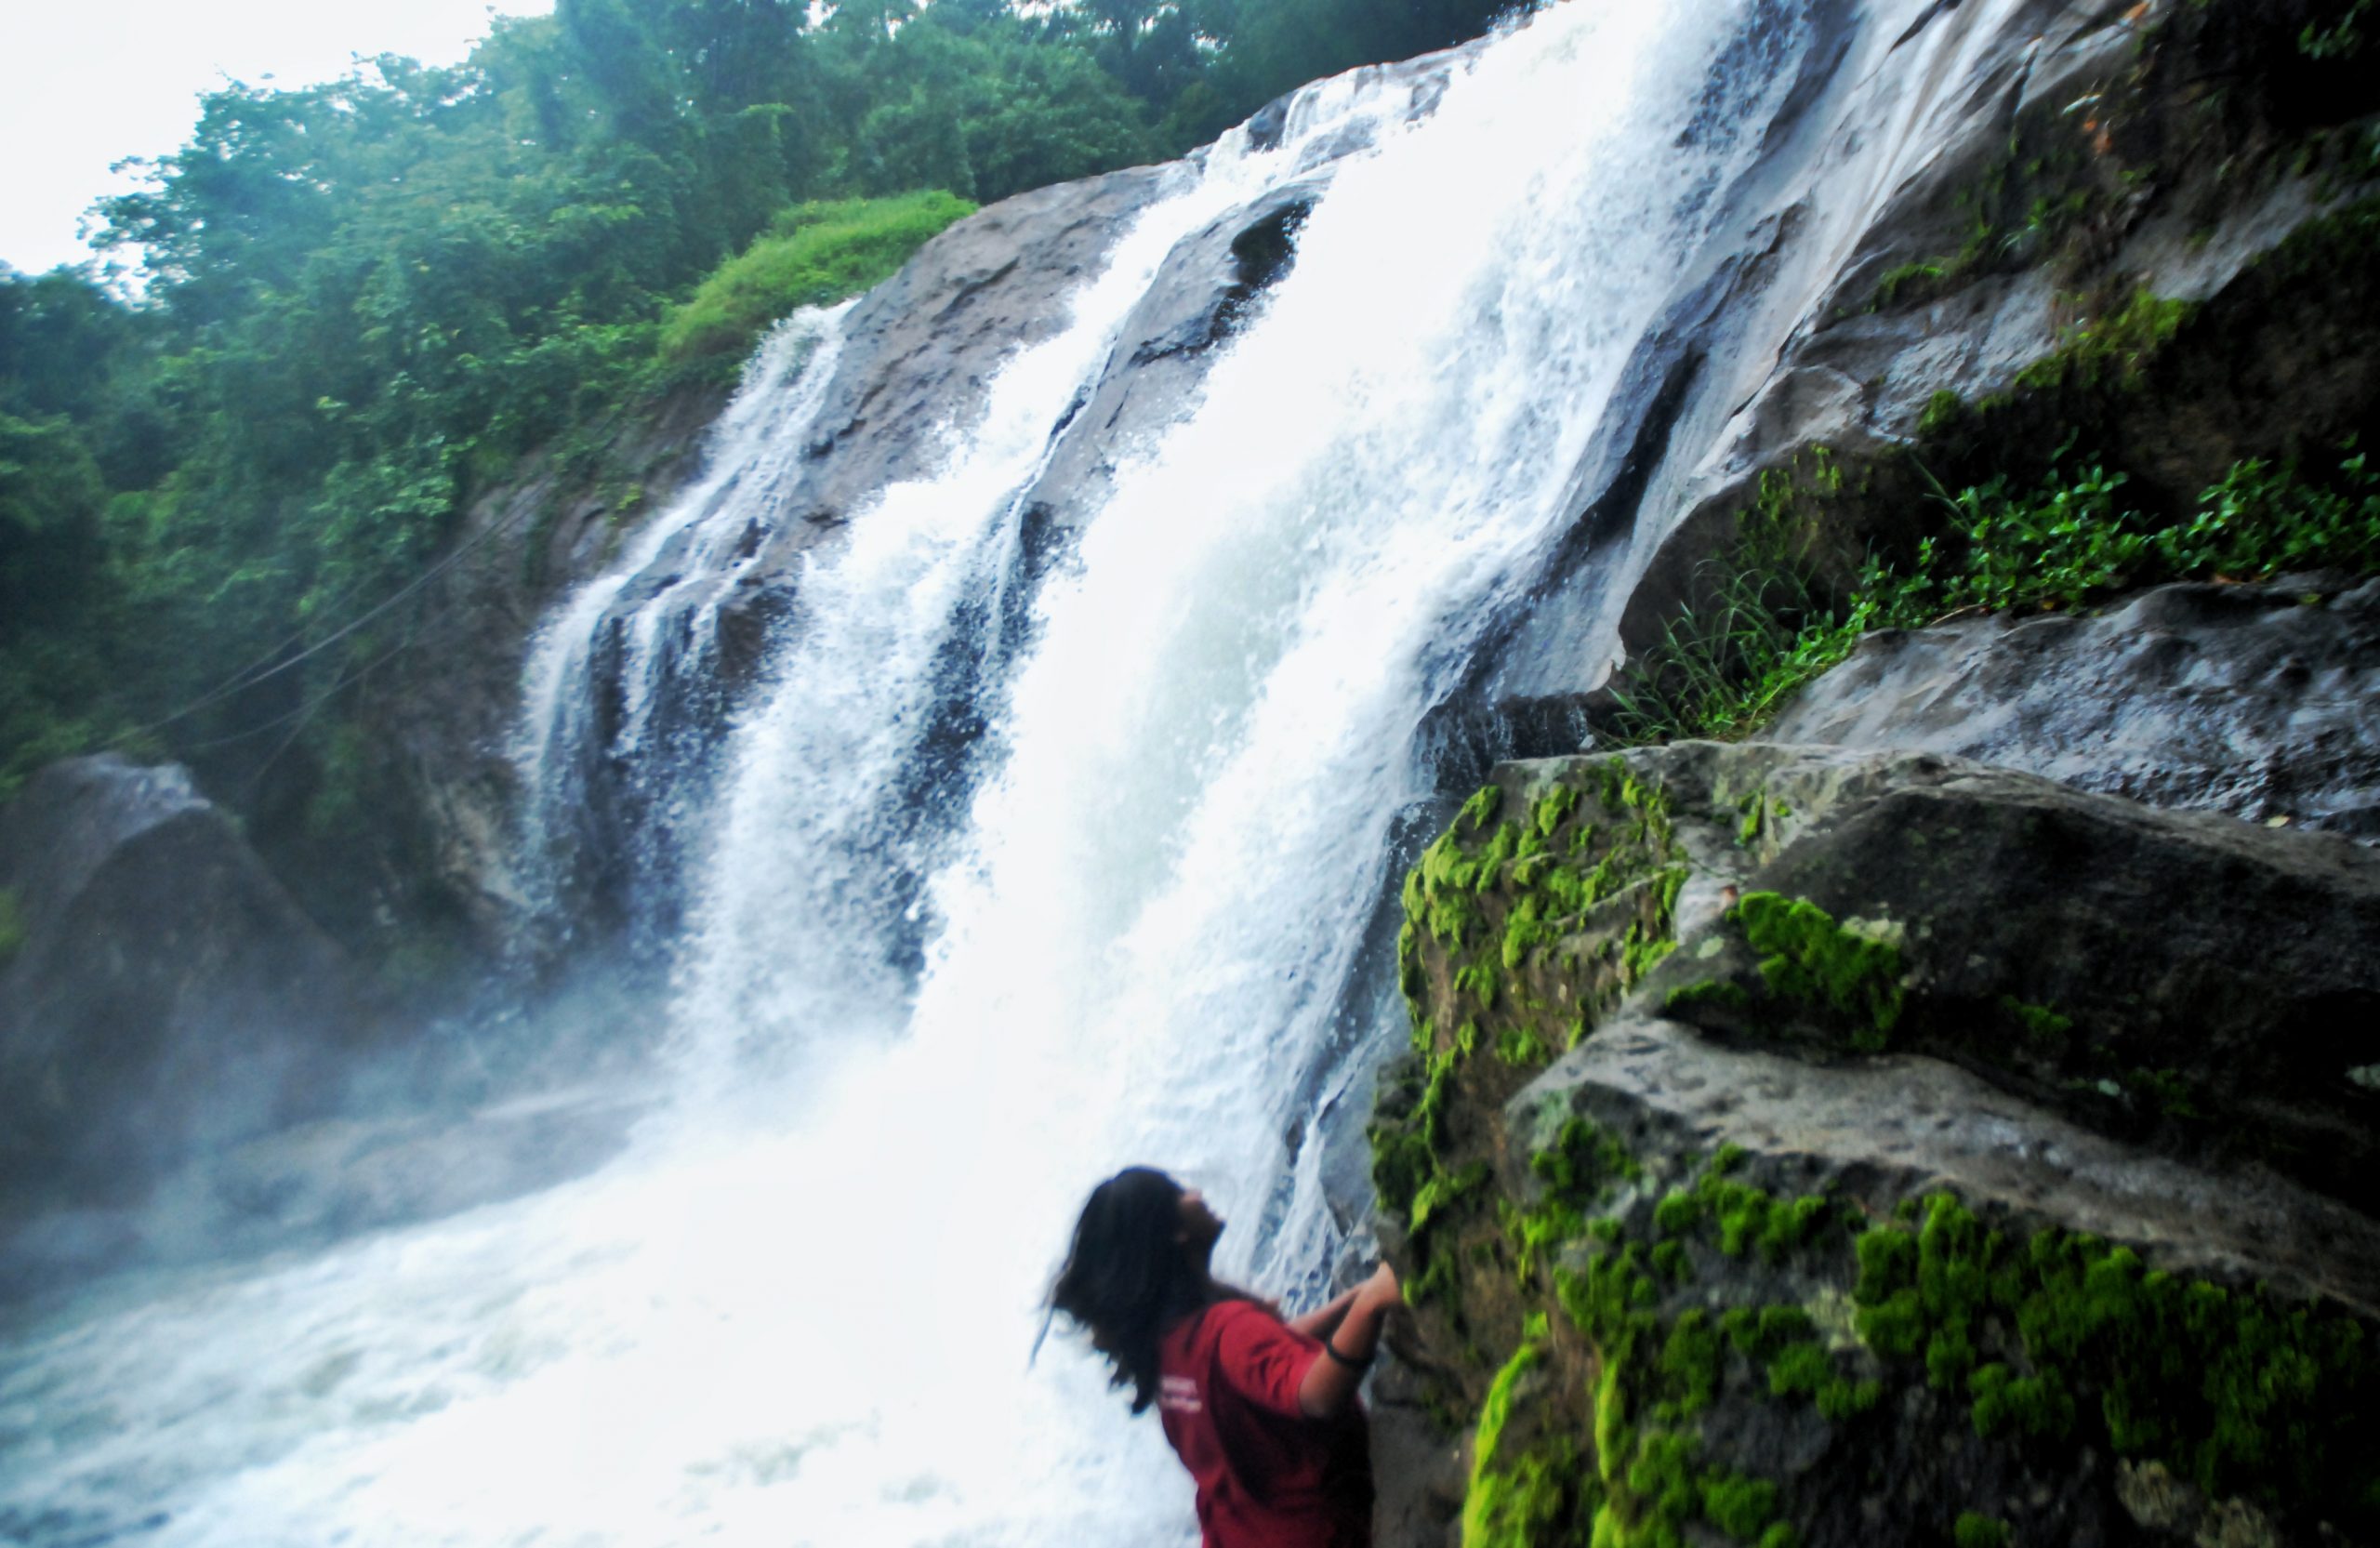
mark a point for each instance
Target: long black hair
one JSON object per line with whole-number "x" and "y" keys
{"x": 1129, "y": 1276}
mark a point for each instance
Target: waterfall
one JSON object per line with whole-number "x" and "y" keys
{"x": 685, "y": 562}
{"x": 912, "y": 1023}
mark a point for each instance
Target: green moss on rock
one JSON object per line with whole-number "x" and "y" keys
{"x": 1975, "y": 1530}
{"x": 2245, "y": 1395}
{"x": 1846, "y": 974}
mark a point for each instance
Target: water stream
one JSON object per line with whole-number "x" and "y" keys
{"x": 902, "y": 1044}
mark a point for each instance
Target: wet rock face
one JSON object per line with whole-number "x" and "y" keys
{"x": 921, "y": 346}
{"x": 2187, "y": 982}
{"x": 2254, "y": 701}
{"x": 167, "y": 996}
{"x": 1213, "y": 282}
{"x": 2002, "y": 180}
{"x": 1838, "y": 1147}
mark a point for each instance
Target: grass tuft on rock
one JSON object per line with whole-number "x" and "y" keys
{"x": 813, "y": 255}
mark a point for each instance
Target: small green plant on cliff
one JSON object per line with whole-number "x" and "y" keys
{"x": 2341, "y": 39}
{"x": 2056, "y": 547}
{"x": 2065, "y": 543}
{"x": 1724, "y": 667}
{"x": 12, "y": 926}
{"x": 2264, "y": 518}
{"x": 2112, "y": 350}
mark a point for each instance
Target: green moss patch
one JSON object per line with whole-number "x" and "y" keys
{"x": 1525, "y": 922}
{"x": 2060, "y": 1337}
{"x": 1806, "y": 958}
{"x": 1844, "y": 978}
{"x": 2038, "y": 1343}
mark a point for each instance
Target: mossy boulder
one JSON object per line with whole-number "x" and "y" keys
{"x": 1768, "y": 1190}
{"x": 2193, "y": 983}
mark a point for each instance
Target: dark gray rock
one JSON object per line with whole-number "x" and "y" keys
{"x": 438, "y": 871}
{"x": 1829, "y": 1212}
{"x": 2254, "y": 701}
{"x": 921, "y": 348}
{"x": 1211, "y": 284}
{"x": 1665, "y": 1089}
{"x": 1882, "y": 1137}
{"x": 168, "y": 996}
{"x": 2174, "y": 979}
{"x": 323, "y": 1181}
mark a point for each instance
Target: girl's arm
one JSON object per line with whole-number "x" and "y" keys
{"x": 1323, "y": 1320}
{"x": 1348, "y": 1348}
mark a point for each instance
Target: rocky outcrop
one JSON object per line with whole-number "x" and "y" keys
{"x": 1813, "y": 1145}
{"x": 1936, "y": 279}
{"x": 2251, "y": 700}
{"x": 167, "y": 996}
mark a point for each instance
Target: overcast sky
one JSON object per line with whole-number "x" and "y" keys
{"x": 92, "y": 81}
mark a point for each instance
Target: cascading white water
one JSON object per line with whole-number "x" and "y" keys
{"x": 699, "y": 545}
{"x": 798, "y": 1312}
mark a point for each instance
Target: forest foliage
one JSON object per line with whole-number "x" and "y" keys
{"x": 339, "y": 310}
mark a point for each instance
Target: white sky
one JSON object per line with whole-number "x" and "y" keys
{"x": 90, "y": 82}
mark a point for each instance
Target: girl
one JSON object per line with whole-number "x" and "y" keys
{"x": 1262, "y": 1411}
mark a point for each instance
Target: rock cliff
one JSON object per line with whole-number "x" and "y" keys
{"x": 1822, "y": 1147}
{"x": 167, "y": 994}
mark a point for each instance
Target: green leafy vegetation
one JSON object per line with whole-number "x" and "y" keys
{"x": 2073, "y": 539}
{"x": 2342, "y": 38}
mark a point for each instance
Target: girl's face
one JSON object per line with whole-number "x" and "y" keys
{"x": 1200, "y": 1225}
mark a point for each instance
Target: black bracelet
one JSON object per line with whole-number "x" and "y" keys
{"x": 1348, "y": 1360}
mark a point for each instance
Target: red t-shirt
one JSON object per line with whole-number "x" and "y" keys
{"x": 1268, "y": 1476}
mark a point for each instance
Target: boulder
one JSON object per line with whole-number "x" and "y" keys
{"x": 1815, "y": 1145}
{"x": 2184, "y": 981}
{"x": 167, "y": 995}
{"x": 2251, "y": 700}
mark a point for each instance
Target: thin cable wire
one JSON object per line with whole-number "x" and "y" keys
{"x": 248, "y": 677}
